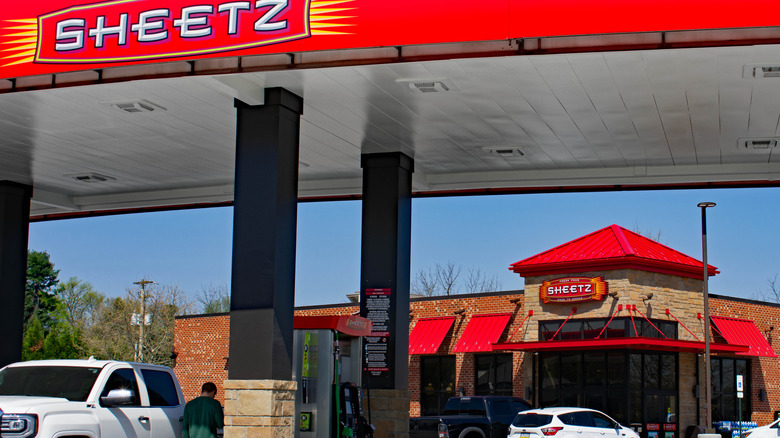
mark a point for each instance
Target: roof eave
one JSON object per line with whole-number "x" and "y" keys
{"x": 627, "y": 262}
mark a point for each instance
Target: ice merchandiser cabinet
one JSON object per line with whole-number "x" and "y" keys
{"x": 327, "y": 365}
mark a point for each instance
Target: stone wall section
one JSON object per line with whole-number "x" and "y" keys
{"x": 393, "y": 407}
{"x": 687, "y": 385}
{"x": 259, "y": 408}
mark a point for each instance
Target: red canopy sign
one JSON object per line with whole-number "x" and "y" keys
{"x": 573, "y": 289}
{"x": 54, "y": 36}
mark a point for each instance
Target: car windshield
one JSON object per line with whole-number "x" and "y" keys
{"x": 531, "y": 420}
{"x": 72, "y": 383}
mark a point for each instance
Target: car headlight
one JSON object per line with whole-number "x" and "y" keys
{"x": 19, "y": 425}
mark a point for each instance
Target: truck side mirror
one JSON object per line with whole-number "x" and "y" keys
{"x": 118, "y": 397}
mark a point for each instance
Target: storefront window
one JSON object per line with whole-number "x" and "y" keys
{"x": 437, "y": 383}
{"x": 618, "y": 328}
{"x": 726, "y": 406}
{"x": 645, "y": 391}
{"x": 659, "y": 387}
{"x": 494, "y": 374}
{"x": 616, "y": 384}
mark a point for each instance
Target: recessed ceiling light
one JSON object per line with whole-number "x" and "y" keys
{"x": 505, "y": 152}
{"x": 758, "y": 143}
{"x": 134, "y": 106}
{"x": 761, "y": 71}
{"x": 427, "y": 85}
{"x": 91, "y": 177}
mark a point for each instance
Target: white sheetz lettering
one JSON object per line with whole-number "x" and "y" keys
{"x": 570, "y": 289}
{"x": 101, "y": 30}
{"x": 145, "y": 28}
{"x": 70, "y": 39}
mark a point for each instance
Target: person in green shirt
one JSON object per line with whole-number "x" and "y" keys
{"x": 203, "y": 415}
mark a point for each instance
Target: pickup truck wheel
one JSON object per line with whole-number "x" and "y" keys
{"x": 473, "y": 435}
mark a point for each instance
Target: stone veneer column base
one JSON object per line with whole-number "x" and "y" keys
{"x": 389, "y": 412}
{"x": 259, "y": 408}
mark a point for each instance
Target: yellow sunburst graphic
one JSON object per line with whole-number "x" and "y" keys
{"x": 325, "y": 17}
{"x": 18, "y": 44}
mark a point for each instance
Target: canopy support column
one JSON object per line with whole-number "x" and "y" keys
{"x": 14, "y": 229}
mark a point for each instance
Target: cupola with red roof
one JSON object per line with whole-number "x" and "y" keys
{"x": 612, "y": 248}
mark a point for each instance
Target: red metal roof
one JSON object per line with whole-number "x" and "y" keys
{"x": 744, "y": 332}
{"x": 613, "y": 247}
{"x": 482, "y": 332}
{"x": 637, "y": 343}
{"x": 428, "y": 334}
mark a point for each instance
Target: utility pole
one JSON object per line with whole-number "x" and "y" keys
{"x": 139, "y": 354}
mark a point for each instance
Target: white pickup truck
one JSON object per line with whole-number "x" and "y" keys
{"x": 89, "y": 399}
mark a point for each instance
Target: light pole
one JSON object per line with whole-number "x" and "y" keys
{"x": 139, "y": 356}
{"x": 707, "y": 369}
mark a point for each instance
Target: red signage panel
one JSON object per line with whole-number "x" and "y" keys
{"x": 132, "y": 30}
{"x": 52, "y": 36}
{"x": 573, "y": 289}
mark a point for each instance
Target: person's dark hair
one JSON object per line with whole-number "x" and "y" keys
{"x": 208, "y": 387}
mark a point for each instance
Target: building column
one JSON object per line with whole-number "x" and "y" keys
{"x": 14, "y": 227}
{"x": 384, "y": 295}
{"x": 263, "y": 277}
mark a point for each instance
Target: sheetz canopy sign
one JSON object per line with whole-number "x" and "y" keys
{"x": 129, "y": 30}
{"x": 56, "y": 36}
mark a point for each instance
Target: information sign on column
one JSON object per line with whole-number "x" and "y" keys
{"x": 376, "y": 344}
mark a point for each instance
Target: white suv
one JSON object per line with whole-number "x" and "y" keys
{"x": 567, "y": 423}
{"x": 89, "y": 399}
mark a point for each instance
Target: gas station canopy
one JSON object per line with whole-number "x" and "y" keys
{"x": 125, "y": 106}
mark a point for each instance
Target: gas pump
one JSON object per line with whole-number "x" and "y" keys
{"x": 327, "y": 366}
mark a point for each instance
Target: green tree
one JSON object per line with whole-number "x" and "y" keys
{"x": 116, "y": 333}
{"x": 64, "y": 342}
{"x": 40, "y": 301}
{"x": 79, "y": 302}
{"x": 112, "y": 336}
{"x": 32, "y": 344}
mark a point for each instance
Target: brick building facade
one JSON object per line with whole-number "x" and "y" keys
{"x": 641, "y": 293}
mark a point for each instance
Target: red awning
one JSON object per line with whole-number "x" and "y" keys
{"x": 639, "y": 343}
{"x": 482, "y": 332}
{"x": 744, "y": 332}
{"x": 428, "y": 334}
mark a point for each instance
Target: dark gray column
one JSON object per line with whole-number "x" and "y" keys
{"x": 385, "y": 264}
{"x": 264, "y": 226}
{"x": 14, "y": 227}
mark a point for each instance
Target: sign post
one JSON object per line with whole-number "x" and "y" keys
{"x": 740, "y": 395}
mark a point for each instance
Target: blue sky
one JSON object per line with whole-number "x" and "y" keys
{"x": 192, "y": 248}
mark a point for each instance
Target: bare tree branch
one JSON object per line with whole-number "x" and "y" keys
{"x": 656, "y": 236}
{"x": 773, "y": 294}
{"x": 115, "y": 335}
{"x": 214, "y": 299}
{"x": 425, "y": 283}
{"x": 446, "y": 276}
{"x": 476, "y": 281}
